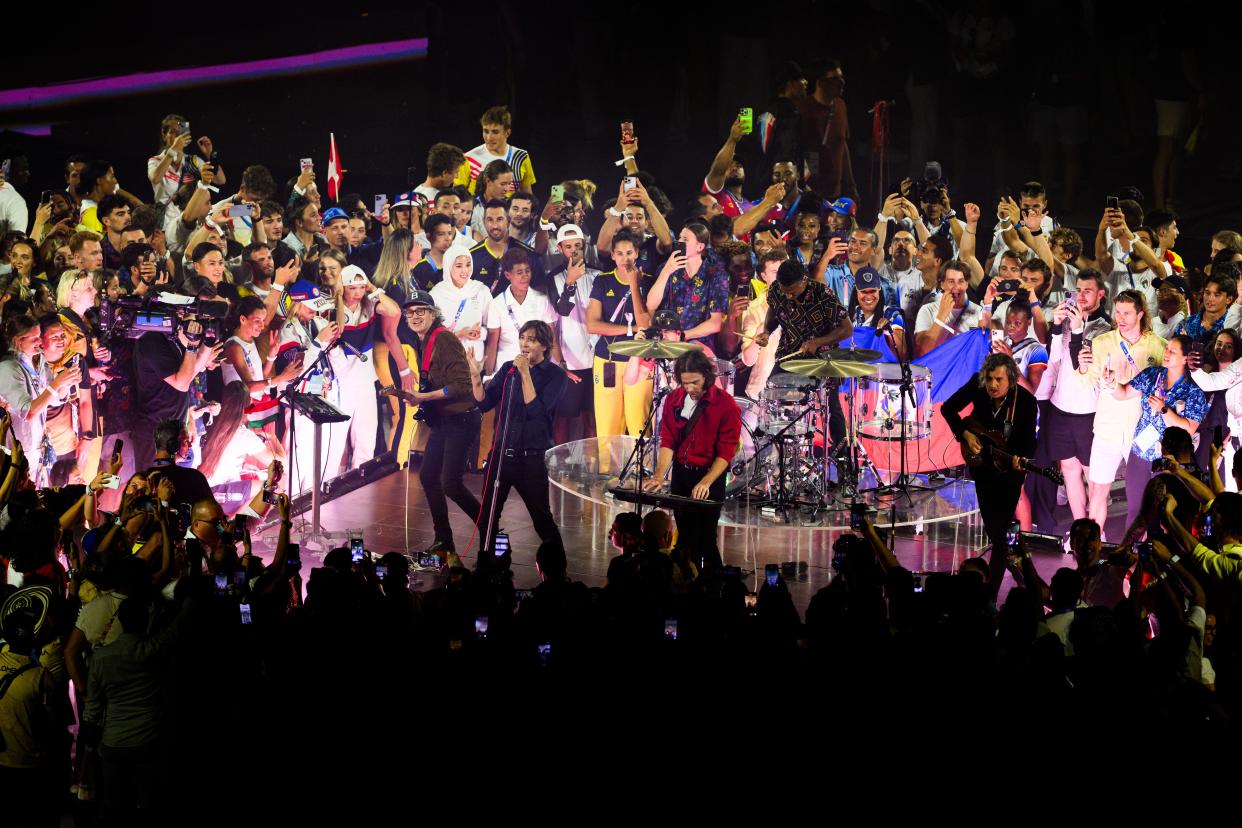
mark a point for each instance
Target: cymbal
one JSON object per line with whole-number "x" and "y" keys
{"x": 852, "y": 354}
{"x": 833, "y": 368}
{"x": 651, "y": 348}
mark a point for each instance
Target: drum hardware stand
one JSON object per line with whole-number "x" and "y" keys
{"x": 904, "y": 483}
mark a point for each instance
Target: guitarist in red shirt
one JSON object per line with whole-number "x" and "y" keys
{"x": 996, "y": 437}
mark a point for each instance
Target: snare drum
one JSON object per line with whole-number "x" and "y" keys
{"x": 878, "y": 404}
{"x": 784, "y": 400}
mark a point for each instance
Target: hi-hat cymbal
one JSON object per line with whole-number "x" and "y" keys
{"x": 852, "y": 354}
{"x": 832, "y": 368}
{"x": 651, "y": 348}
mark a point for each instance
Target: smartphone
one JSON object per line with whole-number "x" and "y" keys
{"x": 185, "y": 127}
{"x": 997, "y": 336}
{"x": 307, "y": 164}
{"x": 1071, "y": 299}
{"x": 293, "y": 553}
{"x": 742, "y": 290}
{"x": 117, "y": 445}
{"x": 480, "y": 626}
{"x": 245, "y": 613}
{"x": 1196, "y": 354}
{"x": 411, "y": 177}
{"x": 857, "y": 512}
{"x": 239, "y": 577}
{"x": 239, "y": 211}
{"x": 545, "y": 653}
{"x": 381, "y": 201}
{"x": 501, "y": 544}
{"x": 271, "y": 497}
{"x": 45, "y": 197}
{"x": 627, "y": 133}
{"x": 629, "y": 182}
{"x": 747, "y": 116}
{"x": 355, "y": 550}
{"x": 1144, "y": 550}
{"x": 214, "y": 160}
{"x": 113, "y": 482}
{"x": 429, "y": 561}
{"x": 381, "y": 571}
{"x": 918, "y": 583}
{"x": 680, "y": 247}
{"x": 752, "y": 600}
{"x": 1011, "y": 534}
{"x": 670, "y": 629}
{"x": 222, "y": 582}
{"x": 522, "y": 594}
{"x": 241, "y": 523}
{"x": 1218, "y": 436}
{"x": 558, "y": 192}
{"x": 1112, "y": 203}
{"x": 610, "y": 374}
{"x": 183, "y": 513}
{"x": 772, "y": 574}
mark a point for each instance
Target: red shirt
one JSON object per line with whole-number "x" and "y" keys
{"x": 717, "y": 432}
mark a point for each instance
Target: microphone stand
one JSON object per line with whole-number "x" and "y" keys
{"x": 498, "y": 458}
{"x": 904, "y": 483}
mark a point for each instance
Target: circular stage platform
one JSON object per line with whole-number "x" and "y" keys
{"x": 587, "y": 468}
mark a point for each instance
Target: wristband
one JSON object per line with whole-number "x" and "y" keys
{"x": 944, "y": 325}
{"x": 298, "y": 190}
{"x": 203, "y": 186}
{"x": 883, "y": 219}
{"x": 405, "y": 372}
{"x": 375, "y": 294}
{"x": 1036, "y": 232}
{"x": 1036, "y": 304}
{"x": 1164, "y": 410}
{"x": 272, "y": 357}
{"x": 278, "y": 287}
{"x": 621, "y": 163}
{"x": 612, "y": 211}
{"x": 951, "y": 214}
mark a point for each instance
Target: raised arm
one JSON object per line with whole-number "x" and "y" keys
{"x": 724, "y": 157}
{"x": 751, "y": 219}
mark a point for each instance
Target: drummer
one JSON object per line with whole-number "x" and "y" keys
{"x": 867, "y": 309}
{"x": 810, "y": 318}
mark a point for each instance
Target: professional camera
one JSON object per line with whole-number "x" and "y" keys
{"x": 129, "y": 317}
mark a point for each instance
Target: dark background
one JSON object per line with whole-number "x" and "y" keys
{"x": 571, "y": 72}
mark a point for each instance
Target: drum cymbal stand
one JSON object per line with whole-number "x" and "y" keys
{"x": 849, "y": 473}
{"x": 904, "y": 483}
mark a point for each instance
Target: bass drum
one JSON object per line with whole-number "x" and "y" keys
{"x": 878, "y": 404}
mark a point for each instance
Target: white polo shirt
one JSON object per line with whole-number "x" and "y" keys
{"x": 508, "y": 315}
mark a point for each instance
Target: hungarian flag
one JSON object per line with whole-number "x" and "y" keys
{"x": 334, "y": 169}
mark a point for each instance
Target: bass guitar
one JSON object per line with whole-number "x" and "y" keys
{"x": 994, "y": 450}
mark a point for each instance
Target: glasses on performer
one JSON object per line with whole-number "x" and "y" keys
{"x": 415, "y": 313}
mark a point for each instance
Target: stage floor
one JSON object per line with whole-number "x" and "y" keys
{"x": 392, "y": 516}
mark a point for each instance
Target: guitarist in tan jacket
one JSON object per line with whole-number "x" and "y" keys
{"x": 996, "y": 436}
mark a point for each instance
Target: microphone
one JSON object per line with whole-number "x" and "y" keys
{"x": 361, "y": 356}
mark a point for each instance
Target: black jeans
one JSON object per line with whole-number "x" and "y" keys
{"x": 696, "y": 528}
{"x": 998, "y": 494}
{"x": 526, "y": 473}
{"x": 444, "y": 464}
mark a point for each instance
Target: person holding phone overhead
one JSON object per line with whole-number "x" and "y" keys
{"x": 617, "y": 309}
{"x": 28, "y": 388}
{"x": 572, "y": 295}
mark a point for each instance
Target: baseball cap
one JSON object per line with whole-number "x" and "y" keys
{"x": 844, "y": 206}
{"x": 1176, "y": 282}
{"x": 569, "y": 231}
{"x": 867, "y": 279}
{"x": 354, "y": 275}
{"x": 419, "y": 299}
{"x": 332, "y": 214}
{"x": 308, "y": 293}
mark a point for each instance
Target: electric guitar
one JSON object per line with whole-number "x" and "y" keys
{"x": 995, "y": 451}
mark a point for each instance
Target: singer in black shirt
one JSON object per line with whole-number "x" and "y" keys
{"x": 524, "y": 393}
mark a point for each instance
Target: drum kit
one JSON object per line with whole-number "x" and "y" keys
{"x": 779, "y": 467}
